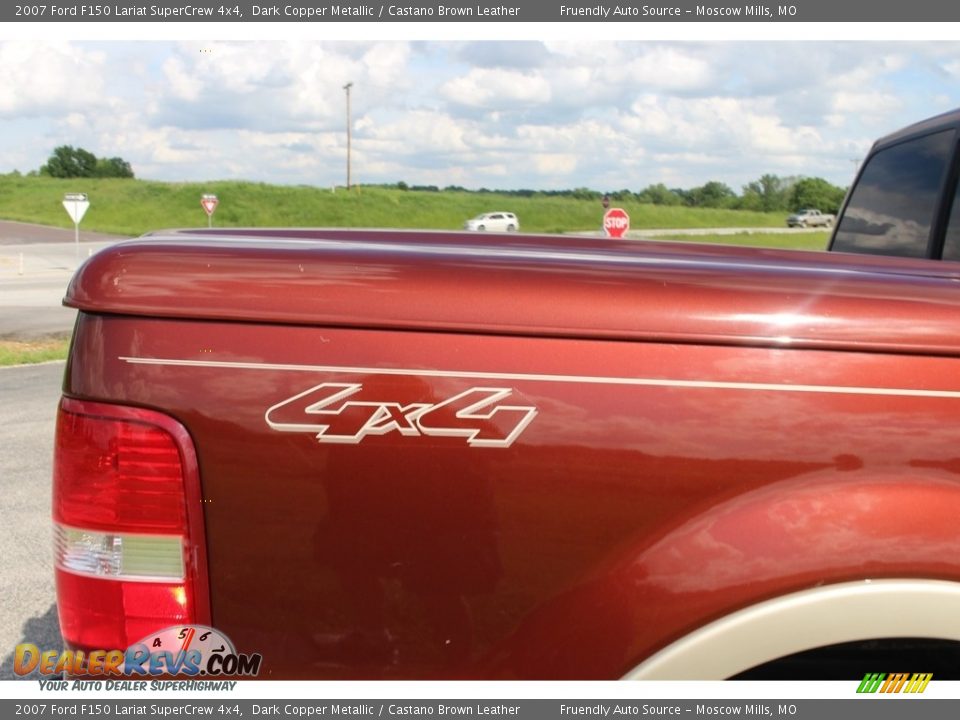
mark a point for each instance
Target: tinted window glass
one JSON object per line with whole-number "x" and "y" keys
{"x": 892, "y": 206}
{"x": 951, "y": 243}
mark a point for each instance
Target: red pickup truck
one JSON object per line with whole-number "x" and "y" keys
{"x": 374, "y": 454}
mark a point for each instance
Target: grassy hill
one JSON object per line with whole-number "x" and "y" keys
{"x": 137, "y": 206}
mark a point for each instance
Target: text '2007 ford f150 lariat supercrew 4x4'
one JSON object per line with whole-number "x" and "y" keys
{"x": 375, "y": 454}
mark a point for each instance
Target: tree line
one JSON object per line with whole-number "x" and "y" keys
{"x": 69, "y": 162}
{"x": 770, "y": 193}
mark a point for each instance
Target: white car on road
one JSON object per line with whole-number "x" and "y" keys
{"x": 495, "y": 221}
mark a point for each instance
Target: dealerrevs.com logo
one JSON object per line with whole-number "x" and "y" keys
{"x": 889, "y": 683}
{"x": 181, "y": 651}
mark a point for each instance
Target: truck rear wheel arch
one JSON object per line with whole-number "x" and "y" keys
{"x": 816, "y": 618}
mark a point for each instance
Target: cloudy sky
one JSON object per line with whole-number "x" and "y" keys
{"x": 517, "y": 114}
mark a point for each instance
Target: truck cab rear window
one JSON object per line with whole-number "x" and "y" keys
{"x": 893, "y": 205}
{"x": 951, "y": 241}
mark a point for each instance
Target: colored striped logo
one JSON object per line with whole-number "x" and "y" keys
{"x": 894, "y": 682}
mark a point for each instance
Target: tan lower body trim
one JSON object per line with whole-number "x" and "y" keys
{"x": 805, "y": 620}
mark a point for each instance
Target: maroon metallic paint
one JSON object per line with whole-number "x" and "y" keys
{"x": 675, "y": 472}
{"x": 567, "y": 287}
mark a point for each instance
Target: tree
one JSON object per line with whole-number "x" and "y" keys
{"x": 582, "y": 193}
{"x": 67, "y": 162}
{"x": 114, "y": 168}
{"x": 713, "y": 195}
{"x": 769, "y": 193}
{"x": 816, "y": 193}
{"x": 659, "y": 194}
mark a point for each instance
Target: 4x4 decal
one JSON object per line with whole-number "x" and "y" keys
{"x": 342, "y": 413}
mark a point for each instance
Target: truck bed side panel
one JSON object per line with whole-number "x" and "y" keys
{"x": 392, "y": 504}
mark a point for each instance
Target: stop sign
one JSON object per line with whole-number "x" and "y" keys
{"x": 616, "y": 222}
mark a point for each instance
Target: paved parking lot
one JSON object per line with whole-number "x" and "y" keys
{"x": 36, "y": 263}
{"x": 27, "y": 609}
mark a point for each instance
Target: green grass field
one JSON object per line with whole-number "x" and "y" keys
{"x": 132, "y": 207}
{"x": 786, "y": 241}
{"x": 15, "y": 352}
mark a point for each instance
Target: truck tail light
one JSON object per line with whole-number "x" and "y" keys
{"x": 129, "y": 549}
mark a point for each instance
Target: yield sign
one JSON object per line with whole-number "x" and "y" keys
{"x": 209, "y": 203}
{"x": 76, "y": 205}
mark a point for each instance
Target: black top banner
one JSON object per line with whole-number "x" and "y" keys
{"x": 317, "y": 11}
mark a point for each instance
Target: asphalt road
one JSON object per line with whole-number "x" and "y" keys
{"x": 36, "y": 263}
{"x": 27, "y": 415}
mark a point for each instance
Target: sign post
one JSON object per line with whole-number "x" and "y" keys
{"x": 616, "y": 222}
{"x": 209, "y": 203}
{"x": 76, "y": 205}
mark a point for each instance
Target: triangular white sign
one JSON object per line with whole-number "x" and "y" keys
{"x": 75, "y": 209}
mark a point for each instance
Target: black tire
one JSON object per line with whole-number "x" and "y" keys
{"x": 849, "y": 661}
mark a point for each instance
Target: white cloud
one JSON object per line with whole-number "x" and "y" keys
{"x": 555, "y": 164}
{"x": 665, "y": 68}
{"x": 868, "y": 70}
{"x": 277, "y": 85}
{"x": 497, "y": 88}
{"x": 49, "y": 78}
{"x": 726, "y": 125}
{"x": 415, "y": 133}
{"x": 554, "y": 114}
{"x": 865, "y": 102}
{"x": 183, "y": 84}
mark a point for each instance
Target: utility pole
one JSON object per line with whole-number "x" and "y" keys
{"x": 347, "y": 88}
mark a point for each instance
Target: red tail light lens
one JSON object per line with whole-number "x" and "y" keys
{"x": 129, "y": 550}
